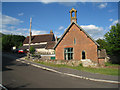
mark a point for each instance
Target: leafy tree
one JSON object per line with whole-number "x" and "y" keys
{"x": 113, "y": 41}
{"x": 20, "y": 45}
{"x": 102, "y": 43}
{"x": 32, "y": 50}
{"x": 7, "y": 44}
{"x": 8, "y": 41}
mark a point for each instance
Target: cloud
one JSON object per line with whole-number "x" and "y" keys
{"x": 111, "y": 19}
{"x": 110, "y": 10}
{"x": 113, "y": 23}
{"x": 94, "y": 31}
{"x": 20, "y": 14}
{"x": 51, "y": 1}
{"x": 64, "y": 2}
{"x": 102, "y": 5}
{"x": 37, "y": 32}
{"x": 10, "y": 20}
{"x": 15, "y": 32}
{"x": 60, "y": 28}
{"x": 9, "y": 27}
{"x": 22, "y": 31}
{"x": 58, "y": 34}
{"x": 91, "y": 27}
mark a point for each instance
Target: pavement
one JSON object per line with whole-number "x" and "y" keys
{"x": 73, "y": 72}
{"x": 19, "y": 74}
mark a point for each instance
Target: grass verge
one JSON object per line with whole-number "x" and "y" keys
{"x": 110, "y": 64}
{"x": 106, "y": 71}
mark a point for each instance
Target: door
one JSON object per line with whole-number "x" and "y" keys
{"x": 83, "y": 54}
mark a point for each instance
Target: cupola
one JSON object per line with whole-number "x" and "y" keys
{"x": 73, "y": 15}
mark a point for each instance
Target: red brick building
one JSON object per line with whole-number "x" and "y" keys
{"x": 76, "y": 43}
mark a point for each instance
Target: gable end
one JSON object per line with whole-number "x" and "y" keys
{"x": 80, "y": 29}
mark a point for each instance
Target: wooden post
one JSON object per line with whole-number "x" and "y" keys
{"x": 30, "y": 38}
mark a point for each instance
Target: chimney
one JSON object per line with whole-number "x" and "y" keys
{"x": 51, "y": 32}
{"x": 56, "y": 39}
{"x": 73, "y": 17}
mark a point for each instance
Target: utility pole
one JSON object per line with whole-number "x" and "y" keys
{"x": 30, "y": 37}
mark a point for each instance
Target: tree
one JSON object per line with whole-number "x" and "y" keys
{"x": 113, "y": 41}
{"x": 102, "y": 43}
{"x": 7, "y": 44}
{"x": 32, "y": 50}
{"x": 8, "y": 41}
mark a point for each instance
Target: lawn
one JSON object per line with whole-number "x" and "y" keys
{"x": 106, "y": 71}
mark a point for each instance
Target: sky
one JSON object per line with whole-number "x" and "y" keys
{"x": 96, "y": 18}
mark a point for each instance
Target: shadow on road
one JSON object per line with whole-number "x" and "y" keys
{"x": 8, "y": 59}
{"x": 9, "y": 86}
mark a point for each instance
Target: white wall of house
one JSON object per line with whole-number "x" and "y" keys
{"x": 35, "y": 43}
{"x": 43, "y": 50}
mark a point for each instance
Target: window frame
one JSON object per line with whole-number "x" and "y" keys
{"x": 69, "y": 53}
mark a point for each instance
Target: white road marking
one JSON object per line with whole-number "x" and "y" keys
{"x": 3, "y": 87}
{"x": 23, "y": 61}
{"x": 17, "y": 60}
{"x": 73, "y": 75}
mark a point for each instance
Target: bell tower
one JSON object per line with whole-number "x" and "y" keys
{"x": 73, "y": 15}
{"x": 51, "y": 32}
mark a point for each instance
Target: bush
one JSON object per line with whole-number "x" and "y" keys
{"x": 32, "y": 50}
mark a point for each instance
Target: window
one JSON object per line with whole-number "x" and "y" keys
{"x": 74, "y": 41}
{"x": 68, "y": 53}
{"x": 83, "y": 54}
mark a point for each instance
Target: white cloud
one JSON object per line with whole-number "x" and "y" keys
{"x": 23, "y": 31}
{"x": 64, "y": 2}
{"x": 111, "y": 19}
{"x": 14, "y": 32}
{"x": 20, "y": 14}
{"x": 60, "y": 28}
{"x": 58, "y": 34}
{"x": 51, "y": 1}
{"x": 110, "y": 10}
{"x": 37, "y": 32}
{"x": 94, "y": 31}
{"x": 102, "y": 5}
{"x": 91, "y": 27}
{"x": 10, "y": 20}
{"x": 9, "y": 25}
{"x": 113, "y": 23}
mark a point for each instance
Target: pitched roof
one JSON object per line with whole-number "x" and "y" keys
{"x": 80, "y": 29}
{"x": 40, "y": 38}
{"x": 50, "y": 45}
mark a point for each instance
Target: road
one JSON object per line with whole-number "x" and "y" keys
{"x": 20, "y": 75}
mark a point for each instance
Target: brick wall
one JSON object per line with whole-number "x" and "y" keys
{"x": 82, "y": 43}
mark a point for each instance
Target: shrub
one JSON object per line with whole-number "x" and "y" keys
{"x": 32, "y": 50}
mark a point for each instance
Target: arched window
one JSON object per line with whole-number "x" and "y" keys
{"x": 74, "y": 41}
{"x": 83, "y": 55}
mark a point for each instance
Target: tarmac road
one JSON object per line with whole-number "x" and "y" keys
{"x": 20, "y": 75}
